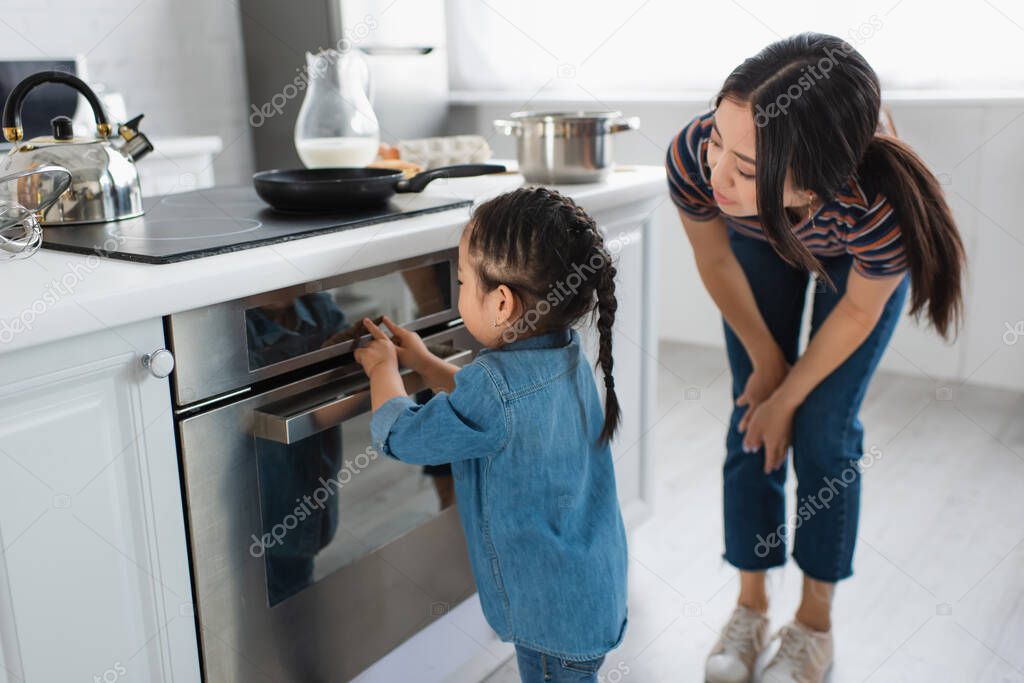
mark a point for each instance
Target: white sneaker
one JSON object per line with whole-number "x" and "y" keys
{"x": 744, "y": 637}
{"x": 804, "y": 655}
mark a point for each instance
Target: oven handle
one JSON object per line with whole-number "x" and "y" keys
{"x": 351, "y": 399}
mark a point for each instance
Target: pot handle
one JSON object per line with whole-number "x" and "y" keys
{"x": 508, "y": 127}
{"x": 12, "y": 109}
{"x": 628, "y": 123}
{"x": 421, "y": 180}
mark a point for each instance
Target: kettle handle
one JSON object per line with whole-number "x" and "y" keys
{"x": 12, "y": 108}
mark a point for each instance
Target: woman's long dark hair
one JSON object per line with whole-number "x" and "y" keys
{"x": 551, "y": 254}
{"x": 816, "y": 107}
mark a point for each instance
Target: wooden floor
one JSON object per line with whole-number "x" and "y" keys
{"x": 938, "y": 586}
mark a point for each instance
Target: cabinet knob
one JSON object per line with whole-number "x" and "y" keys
{"x": 159, "y": 362}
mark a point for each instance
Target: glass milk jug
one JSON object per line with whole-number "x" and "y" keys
{"x": 336, "y": 124}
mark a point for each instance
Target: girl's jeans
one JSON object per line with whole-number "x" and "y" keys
{"x": 537, "y": 667}
{"x": 827, "y": 437}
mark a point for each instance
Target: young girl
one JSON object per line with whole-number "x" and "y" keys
{"x": 523, "y": 428}
{"x": 794, "y": 171}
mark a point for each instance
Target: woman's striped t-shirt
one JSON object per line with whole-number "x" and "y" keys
{"x": 856, "y": 221}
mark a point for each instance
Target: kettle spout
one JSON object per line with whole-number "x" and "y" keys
{"x": 136, "y": 145}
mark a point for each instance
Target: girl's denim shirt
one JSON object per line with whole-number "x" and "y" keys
{"x": 535, "y": 490}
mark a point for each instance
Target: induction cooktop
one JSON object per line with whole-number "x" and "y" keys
{"x": 219, "y": 220}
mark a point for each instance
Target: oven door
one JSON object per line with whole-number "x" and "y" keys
{"x": 222, "y": 347}
{"x": 313, "y": 555}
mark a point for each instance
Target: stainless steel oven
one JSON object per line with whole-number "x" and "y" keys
{"x": 312, "y": 555}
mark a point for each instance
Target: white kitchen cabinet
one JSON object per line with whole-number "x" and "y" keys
{"x": 94, "y": 580}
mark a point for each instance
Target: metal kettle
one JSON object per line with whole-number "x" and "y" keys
{"x": 104, "y": 179}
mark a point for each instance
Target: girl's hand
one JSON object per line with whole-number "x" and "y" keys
{"x": 771, "y": 424}
{"x": 379, "y": 354}
{"x": 412, "y": 352}
{"x": 765, "y": 378}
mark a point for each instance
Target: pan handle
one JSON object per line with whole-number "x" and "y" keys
{"x": 421, "y": 180}
{"x": 630, "y": 123}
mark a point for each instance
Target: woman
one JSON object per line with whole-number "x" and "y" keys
{"x": 793, "y": 175}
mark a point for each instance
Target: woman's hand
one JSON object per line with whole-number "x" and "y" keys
{"x": 771, "y": 424}
{"x": 379, "y": 354}
{"x": 766, "y": 377}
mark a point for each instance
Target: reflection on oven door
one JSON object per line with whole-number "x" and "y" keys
{"x": 331, "y": 499}
{"x": 293, "y": 326}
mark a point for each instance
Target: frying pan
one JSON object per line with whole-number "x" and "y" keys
{"x": 324, "y": 189}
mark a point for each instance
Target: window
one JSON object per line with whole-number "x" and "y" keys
{"x": 664, "y": 45}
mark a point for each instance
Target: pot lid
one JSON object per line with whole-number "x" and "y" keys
{"x": 566, "y": 115}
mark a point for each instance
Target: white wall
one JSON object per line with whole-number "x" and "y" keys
{"x": 177, "y": 61}
{"x": 976, "y": 142}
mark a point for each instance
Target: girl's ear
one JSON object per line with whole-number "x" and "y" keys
{"x": 505, "y": 304}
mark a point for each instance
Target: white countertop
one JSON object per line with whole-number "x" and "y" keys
{"x": 54, "y": 295}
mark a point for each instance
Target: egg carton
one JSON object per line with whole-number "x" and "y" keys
{"x": 445, "y": 151}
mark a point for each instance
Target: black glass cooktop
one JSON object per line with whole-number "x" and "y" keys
{"x": 218, "y": 220}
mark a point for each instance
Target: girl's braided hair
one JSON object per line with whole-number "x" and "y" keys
{"x": 552, "y": 255}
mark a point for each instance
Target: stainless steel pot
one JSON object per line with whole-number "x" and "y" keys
{"x": 565, "y": 147}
